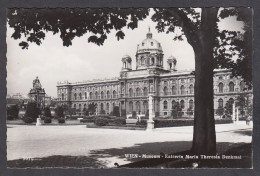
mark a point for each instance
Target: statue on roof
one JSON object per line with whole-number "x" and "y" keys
{"x": 36, "y": 83}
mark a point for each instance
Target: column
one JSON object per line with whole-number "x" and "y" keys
{"x": 233, "y": 112}
{"x": 150, "y": 122}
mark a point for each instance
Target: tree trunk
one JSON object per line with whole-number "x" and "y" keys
{"x": 204, "y": 135}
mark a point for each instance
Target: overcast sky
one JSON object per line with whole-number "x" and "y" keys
{"x": 52, "y": 62}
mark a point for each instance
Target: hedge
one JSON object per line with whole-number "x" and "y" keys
{"x": 47, "y": 120}
{"x": 160, "y": 123}
{"x": 28, "y": 120}
{"x": 61, "y": 120}
{"x": 86, "y": 120}
{"x": 101, "y": 121}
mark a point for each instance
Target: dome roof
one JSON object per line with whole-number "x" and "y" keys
{"x": 126, "y": 56}
{"x": 172, "y": 58}
{"x": 149, "y": 44}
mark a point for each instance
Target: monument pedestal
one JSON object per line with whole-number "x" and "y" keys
{"x": 38, "y": 122}
{"x": 150, "y": 125}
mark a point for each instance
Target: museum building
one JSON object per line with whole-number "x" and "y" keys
{"x": 130, "y": 90}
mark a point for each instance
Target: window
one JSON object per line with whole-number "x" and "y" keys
{"x": 220, "y": 87}
{"x": 191, "y": 104}
{"x": 165, "y": 105}
{"x": 220, "y": 78}
{"x": 96, "y": 95}
{"x": 231, "y": 87}
{"x": 174, "y": 90}
{"x": 191, "y": 89}
{"x": 102, "y": 95}
{"x": 142, "y": 44}
{"x": 138, "y": 107}
{"x": 145, "y": 105}
{"x": 130, "y": 92}
{"x": 79, "y": 107}
{"x": 114, "y": 94}
{"x": 91, "y": 95}
{"x": 173, "y": 104}
{"x": 80, "y": 96}
{"x": 138, "y": 92}
{"x": 85, "y": 95}
{"x": 145, "y": 91}
{"x": 242, "y": 86}
{"x": 75, "y": 106}
{"x": 102, "y": 106}
{"x": 182, "y": 104}
{"x": 108, "y": 94}
{"x": 107, "y": 107}
{"x": 75, "y": 96}
{"x": 151, "y": 43}
{"x": 220, "y": 103}
{"x": 165, "y": 91}
{"x": 182, "y": 90}
{"x": 62, "y": 96}
{"x": 130, "y": 106}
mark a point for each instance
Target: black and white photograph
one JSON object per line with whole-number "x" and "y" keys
{"x": 117, "y": 88}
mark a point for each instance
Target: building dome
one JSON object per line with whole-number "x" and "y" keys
{"x": 149, "y": 44}
{"x": 126, "y": 58}
{"x": 172, "y": 58}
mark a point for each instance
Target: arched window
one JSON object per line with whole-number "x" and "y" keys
{"x": 165, "y": 91}
{"x": 191, "y": 104}
{"x": 62, "y": 96}
{"x": 231, "y": 87}
{"x": 145, "y": 104}
{"x": 80, "y": 107}
{"x": 101, "y": 106}
{"x": 165, "y": 105}
{"x": 114, "y": 94}
{"x": 80, "y": 96}
{"x": 152, "y": 61}
{"x": 90, "y": 95}
{"x": 182, "y": 104}
{"x": 130, "y": 106}
{"x": 86, "y": 95}
{"x": 96, "y": 95}
{"x": 108, "y": 94}
{"x": 124, "y": 64}
{"x": 102, "y": 95}
{"x": 174, "y": 90}
{"x": 220, "y": 103}
{"x": 174, "y": 103}
{"x": 191, "y": 89}
{"x": 75, "y": 106}
{"x": 130, "y": 92}
{"x": 107, "y": 107}
{"x": 231, "y": 101}
{"x": 85, "y": 107}
{"x": 182, "y": 90}
{"x": 138, "y": 108}
{"x": 142, "y": 60}
{"x": 242, "y": 86}
{"x": 145, "y": 91}
{"x": 138, "y": 92}
{"x": 75, "y": 96}
{"x": 220, "y": 87}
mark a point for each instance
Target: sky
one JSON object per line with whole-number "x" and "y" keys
{"x": 52, "y": 62}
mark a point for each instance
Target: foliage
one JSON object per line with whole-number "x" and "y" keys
{"x": 189, "y": 111}
{"x": 101, "y": 121}
{"x": 134, "y": 114}
{"x": 61, "y": 120}
{"x": 102, "y": 111}
{"x": 59, "y": 111}
{"x": 28, "y": 120}
{"x": 87, "y": 120}
{"x": 123, "y": 113}
{"x": 119, "y": 121}
{"x": 85, "y": 112}
{"x": 12, "y": 112}
{"x": 47, "y": 120}
{"x": 47, "y": 112}
{"x": 70, "y": 23}
{"x": 220, "y": 111}
{"x": 116, "y": 111}
{"x": 68, "y": 110}
{"x": 32, "y": 111}
{"x": 176, "y": 110}
{"x": 228, "y": 109}
{"x": 141, "y": 122}
{"x": 92, "y": 108}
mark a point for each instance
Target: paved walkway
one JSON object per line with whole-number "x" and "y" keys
{"x": 107, "y": 146}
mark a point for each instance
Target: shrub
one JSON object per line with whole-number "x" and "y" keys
{"x": 47, "y": 120}
{"x": 61, "y": 120}
{"x": 12, "y": 112}
{"x": 118, "y": 121}
{"x": 28, "y": 120}
{"x": 141, "y": 122}
{"x": 32, "y": 111}
{"x": 9, "y": 117}
{"x": 101, "y": 121}
{"x": 116, "y": 111}
{"x": 86, "y": 120}
{"x": 43, "y": 117}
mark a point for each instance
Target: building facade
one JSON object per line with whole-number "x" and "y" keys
{"x": 130, "y": 90}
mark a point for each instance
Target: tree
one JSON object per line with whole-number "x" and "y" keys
{"x": 92, "y": 108}
{"x": 59, "y": 111}
{"x": 228, "y": 109}
{"x": 32, "y": 111}
{"x": 12, "y": 112}
{"x": 116, "y": 111}
{"x": 220, "y": 111}
{"x": 176, "y": 110}
{"x": 199, "y": 28}
{"x": 190, "y": 111}
{"x": 47, "y": 112}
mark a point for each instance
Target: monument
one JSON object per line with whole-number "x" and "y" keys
{"x": 150, "y": 122}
